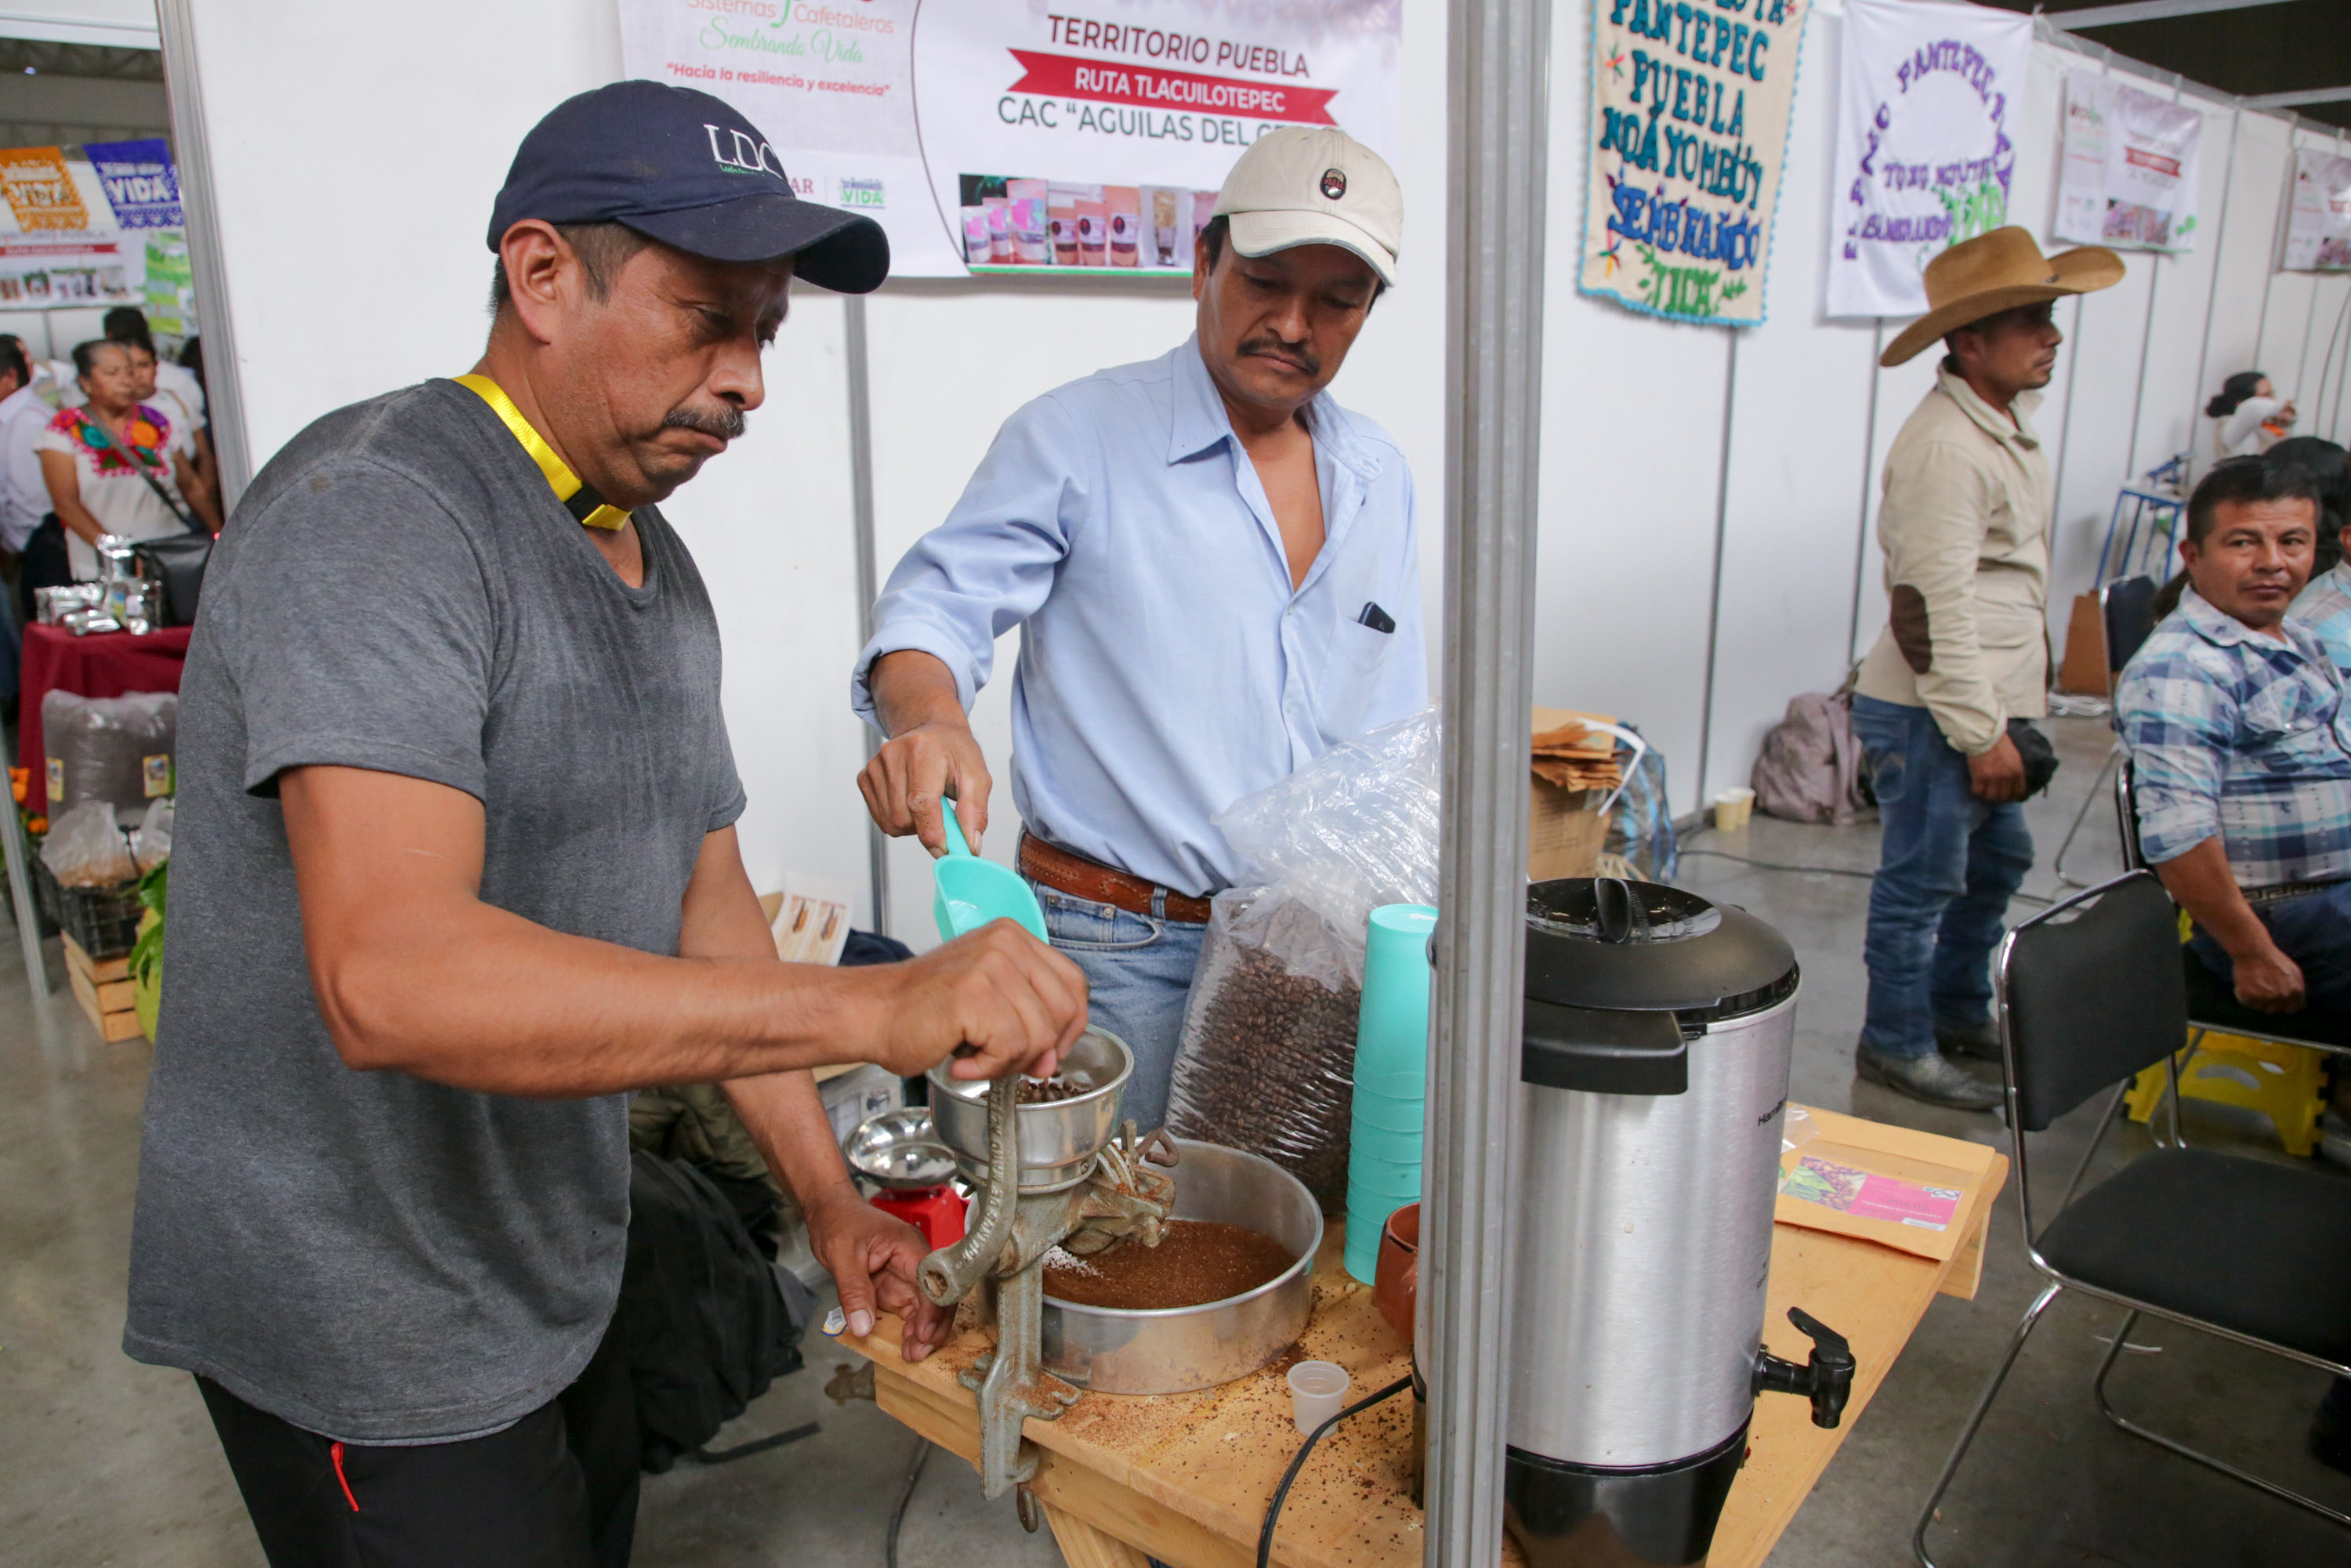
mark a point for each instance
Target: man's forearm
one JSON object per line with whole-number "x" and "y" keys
{"x": 913, "y": 688}
{"x": 517, "y": 1009}
{"x": 782, "y": 1110}
{"x": 2203, "y": 885}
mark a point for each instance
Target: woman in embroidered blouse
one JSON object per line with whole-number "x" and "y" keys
{"x": 109, "y": 465}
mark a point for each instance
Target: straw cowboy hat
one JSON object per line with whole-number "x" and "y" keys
{"x": 1997, "y": 272}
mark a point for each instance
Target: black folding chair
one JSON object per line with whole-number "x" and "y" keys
{"x": 2126, "y": 616}
{"x": 2090, "y": 992}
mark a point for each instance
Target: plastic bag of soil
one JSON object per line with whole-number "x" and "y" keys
{"x": 84, "y": 848}
{"x": 115, "y": 749}
{"x": 1266, "y": 1060}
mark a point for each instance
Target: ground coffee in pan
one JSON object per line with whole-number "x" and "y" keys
{"x": 1197, "y": 1263}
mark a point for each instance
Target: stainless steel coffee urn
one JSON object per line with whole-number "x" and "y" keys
{"x": 1655, "y": 1068}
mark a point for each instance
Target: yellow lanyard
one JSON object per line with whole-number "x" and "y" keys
{"x": 578, "y": 497}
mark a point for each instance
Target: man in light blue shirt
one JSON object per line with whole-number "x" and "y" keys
{"x": 1217, "y": 574}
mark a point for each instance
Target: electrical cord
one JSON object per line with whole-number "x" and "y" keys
{"x": 1775, "y": 865}
{"x": 905, "y": 1495}
{"x": 1826, "y": 871}
{"x": 1298, "y": 1462}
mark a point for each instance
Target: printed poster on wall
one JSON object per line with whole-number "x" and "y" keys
{"x": 2318, "y": 224}
{"x": 1001, "y": 135}
{"x": 2128, "y": 173}
{"x": 1690, "y": 108}
{"x": 1929, "y": 104}
{"x": 61, "y": 241}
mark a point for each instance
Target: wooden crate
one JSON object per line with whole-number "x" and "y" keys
{"x": 105, "y": 991}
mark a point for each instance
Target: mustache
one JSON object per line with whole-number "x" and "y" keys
{"x": 725, "y": 424}
{"x": 1267, "y": 342}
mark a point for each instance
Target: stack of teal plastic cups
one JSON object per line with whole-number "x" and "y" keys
{"x": 1391, "y": 1078}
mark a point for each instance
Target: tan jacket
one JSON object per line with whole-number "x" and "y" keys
{"x": 1965, "y": 528}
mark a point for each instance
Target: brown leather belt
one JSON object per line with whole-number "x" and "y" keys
{"x": 1079, "y": 877}
{"x": 2262, "y": 896}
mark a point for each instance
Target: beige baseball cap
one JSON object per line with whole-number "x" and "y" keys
{"x": 1314, "y": 185}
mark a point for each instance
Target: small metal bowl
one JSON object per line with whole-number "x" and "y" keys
{"x": 899, "y": 1149}
{"x": 1058, "y": 1140}
{"x": 1173, "y": 1350}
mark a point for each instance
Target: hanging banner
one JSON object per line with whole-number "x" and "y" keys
{"x": 171, "y": 286}
{"x": 1927, "y": 113}
{"x": 2318, "y": 226}
{"x": 59, "y": 241}
{"x": 140, "y": 181}
{"x": 1690, "y": 110}
{"x": 2127, "y": 173}
{"x": 992, "y": 135}
{"x": 42, "y": 194}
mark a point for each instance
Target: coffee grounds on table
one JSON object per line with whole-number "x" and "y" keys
{"x": 1197, "y": 1263}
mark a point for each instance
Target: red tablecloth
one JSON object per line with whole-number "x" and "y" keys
{"x": 107, "y": 665}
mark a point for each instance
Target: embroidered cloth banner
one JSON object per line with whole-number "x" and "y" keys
{"x": 1690, "y": 106}
{"x": 1927, "y": 111}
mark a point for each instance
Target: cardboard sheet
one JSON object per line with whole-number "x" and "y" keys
{"x": 1888, "y": 1185}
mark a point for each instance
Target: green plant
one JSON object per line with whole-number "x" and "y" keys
{"x": 147, "y": 954}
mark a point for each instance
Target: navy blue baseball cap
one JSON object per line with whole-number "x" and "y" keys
{"x": 684, "y": 168}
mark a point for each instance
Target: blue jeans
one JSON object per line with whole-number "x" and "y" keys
{"x": 1139, "y": 974}
{"x": 2314, "y": 931}
{"x": 1946, "y": 870}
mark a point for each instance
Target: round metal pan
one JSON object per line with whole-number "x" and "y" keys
{"x": 1173, "y": 1350}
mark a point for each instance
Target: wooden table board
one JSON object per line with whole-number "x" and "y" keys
{"x": 1187, "y": 1476}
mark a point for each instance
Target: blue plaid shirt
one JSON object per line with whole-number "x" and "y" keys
{"x": 2325, "y": 608}
{"x": 2236, "y": 736}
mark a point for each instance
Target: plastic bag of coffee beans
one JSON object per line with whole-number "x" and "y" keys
{"x": 1267, "y": 1061}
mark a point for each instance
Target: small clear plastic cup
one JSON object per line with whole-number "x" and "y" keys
{"x": 1318, "y": 1391}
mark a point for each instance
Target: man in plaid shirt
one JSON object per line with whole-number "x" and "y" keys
{"x": 2241, "y": 747}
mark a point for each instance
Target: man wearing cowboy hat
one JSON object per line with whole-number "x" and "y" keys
{"x": 1964, "y": 655}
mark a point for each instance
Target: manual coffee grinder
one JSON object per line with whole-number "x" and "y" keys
{"x": 1077, "y": 1180}
{"x": 1655, "y": 1075}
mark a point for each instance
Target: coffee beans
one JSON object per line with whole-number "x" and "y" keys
{"x": 1268, "y": 1063}
{"x": 1048, "y": 1091}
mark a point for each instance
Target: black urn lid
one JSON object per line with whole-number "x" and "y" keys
{"x": 1613, "y": 944}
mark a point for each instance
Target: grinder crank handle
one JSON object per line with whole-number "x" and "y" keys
{"x": 948, "y": 1274}
{"x": 1828, "y": 1378}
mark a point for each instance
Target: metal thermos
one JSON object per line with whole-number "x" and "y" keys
{"x": 1655, "y": 1075}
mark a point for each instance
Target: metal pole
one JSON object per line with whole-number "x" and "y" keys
{"x": 1714, "y": 594}
{"x": 1868, "y": 472}
{"x": 1498, "y": 133}
{"x": 2212, "y": 294}
{"x": 192, "y": 147}
{"x": 19, "y": 858}
{"x": 868, "y": 572}
{"x": 2145, "y": 341}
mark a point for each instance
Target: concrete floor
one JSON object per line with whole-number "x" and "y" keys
{"x": 103, "y": 1460}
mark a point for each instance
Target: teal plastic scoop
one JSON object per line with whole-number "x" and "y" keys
{"x": 968, "y": 892}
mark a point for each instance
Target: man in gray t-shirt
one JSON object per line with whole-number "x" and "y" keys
{"x": 456, "y": 870}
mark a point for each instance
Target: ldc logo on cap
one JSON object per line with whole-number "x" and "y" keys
{"x": 1334, "y": 184}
